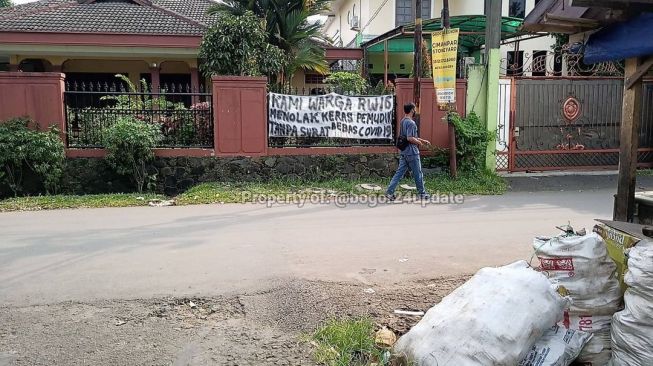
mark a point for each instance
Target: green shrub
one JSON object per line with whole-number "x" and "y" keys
{"x": 472, "y": 138}
{"x": 348, "y": 83}
{"x": 22, "y": 148}
{"x": 129, "y": 144}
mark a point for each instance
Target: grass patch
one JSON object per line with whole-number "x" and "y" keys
{"x": 483, "y": 183}
{"x": 480, "y": 183}
{"x": 645, "y": 172}
{"x": 87, "y": 201}
{"x": 346, "y": 342}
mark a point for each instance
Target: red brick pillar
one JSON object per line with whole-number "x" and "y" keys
{"x": 240, "y": 115}
{"x": 38, "y": 95}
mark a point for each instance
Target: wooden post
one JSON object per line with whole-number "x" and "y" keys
{"x": 624, "y": 205}
{"x": 417, "y": 56}
{"x": 453, "y": 163}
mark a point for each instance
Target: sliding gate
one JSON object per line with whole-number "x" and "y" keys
{"x": 566, "y": 123}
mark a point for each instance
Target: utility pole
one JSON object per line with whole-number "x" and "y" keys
{"x": 492, "y": 64}
{"x": 417, "y": 58}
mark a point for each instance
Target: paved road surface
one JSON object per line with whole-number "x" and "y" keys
{"x": 81, "y": 255}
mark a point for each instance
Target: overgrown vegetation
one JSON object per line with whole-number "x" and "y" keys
{"x": 38, "y": 203}
{"x": 472, "y": 138}
{"x": 129, "y": 143}
{"x": 238, "y": 45}
{"x": 5, "y": 3}
{"x": 24, "y": 148}
{"x": 346, "y": 342}
{"x": 348, "y": 83}
{"x": 479, "y": 183}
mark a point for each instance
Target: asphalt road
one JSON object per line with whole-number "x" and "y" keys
{"x": 83, "y": 255}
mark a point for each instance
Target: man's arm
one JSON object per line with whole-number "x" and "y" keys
{"x": 411, "y": 133}
{"x": 418, "y": 141}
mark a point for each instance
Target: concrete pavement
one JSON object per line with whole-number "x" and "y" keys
{"x": 81, "y": 255}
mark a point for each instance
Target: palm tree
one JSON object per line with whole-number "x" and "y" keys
{"x": 288, "y": 27}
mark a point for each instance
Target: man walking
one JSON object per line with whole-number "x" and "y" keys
{"x": 409, "y": 157}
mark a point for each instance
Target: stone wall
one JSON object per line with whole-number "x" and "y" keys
{"x": 175, "y": 175}
{"x": 178, "y": 174}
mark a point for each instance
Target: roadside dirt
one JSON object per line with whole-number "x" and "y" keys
{"x": 263, "y": 328}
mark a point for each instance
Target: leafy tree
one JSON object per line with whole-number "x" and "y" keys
{"x": 5, "y": 3}
{"x": 287, "y": 26}
{"x": 24, "y": 148}
{"x": 129, "y": 143}
{"x": 348, "y": 83}
{"x": 237, "y": 45}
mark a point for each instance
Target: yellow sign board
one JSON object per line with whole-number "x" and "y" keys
{"x": 444, "y": 54}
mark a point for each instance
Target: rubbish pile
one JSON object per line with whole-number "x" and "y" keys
{"x": 566, "y": 311}
{"x": 492, "y": 319}
{"x": 632, "y": 328}
{"x": 582, "y": 266}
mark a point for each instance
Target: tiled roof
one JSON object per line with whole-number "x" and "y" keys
{"x": 193, "y": 9}
{"x": 165, "y": 17}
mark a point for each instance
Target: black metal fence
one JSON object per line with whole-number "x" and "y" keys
{"x": 296, "y": 142}
{"x": 184, "y": 115}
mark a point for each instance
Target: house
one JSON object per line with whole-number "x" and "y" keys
{"x": 352, "y": 23}
{"x": 92, "y": 40}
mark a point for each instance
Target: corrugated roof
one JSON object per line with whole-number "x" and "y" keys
{"x": 166, "y": 17}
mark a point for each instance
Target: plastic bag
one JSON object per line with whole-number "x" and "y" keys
{"x": 632, "y": 328}
{"x": 492, "y": 319}
{"x": 558, "y": 346}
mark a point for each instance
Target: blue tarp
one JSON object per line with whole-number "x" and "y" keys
{"x": 633, "y": 38}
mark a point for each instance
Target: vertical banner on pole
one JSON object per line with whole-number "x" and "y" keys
{"x": 444, "y": 53}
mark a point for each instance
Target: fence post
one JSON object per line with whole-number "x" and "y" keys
{"x": 38, "y": 95}
{"x": 240, "y": 115}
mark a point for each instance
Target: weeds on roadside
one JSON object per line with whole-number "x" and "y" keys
{"x": 346, "y": 342}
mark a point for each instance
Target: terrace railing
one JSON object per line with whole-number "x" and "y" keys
{"x": 184, "y": 115}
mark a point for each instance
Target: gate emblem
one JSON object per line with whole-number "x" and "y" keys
{"x": 571, "y": 109}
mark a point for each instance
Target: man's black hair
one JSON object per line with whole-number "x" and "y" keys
{"x": 409, "y": 107}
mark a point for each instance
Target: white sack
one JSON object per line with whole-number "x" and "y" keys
{"x": 558, "y": 346}
{"x": 492, "y": 319}
{"x": 581, "y": 264}
{"x": 632, "y": 328}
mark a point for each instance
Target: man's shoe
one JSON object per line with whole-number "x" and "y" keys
{"x": 390, "y": 197}
{"x": 424, "y": 196}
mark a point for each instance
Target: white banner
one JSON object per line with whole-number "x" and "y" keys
{"x": 330, "y": 115}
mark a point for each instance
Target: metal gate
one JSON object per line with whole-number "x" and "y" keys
{"x": 566, "y": 123}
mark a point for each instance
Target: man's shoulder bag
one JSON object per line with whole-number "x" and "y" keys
{"x": 402, "y": 142}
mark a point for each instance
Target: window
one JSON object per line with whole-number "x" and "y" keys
{"x": 515, "y": 63}
{"x": 539, "y": 63}
{"x": 517, "y": 8}
{"x": 405, "y": 12}
{"x": 313, "y": 79}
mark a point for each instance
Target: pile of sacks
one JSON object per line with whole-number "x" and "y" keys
{"x": 555, "y": 315}
{"x": 495, "y": 318}
{"x": 632, "y": 328}
{"x": 580, "y": 263}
